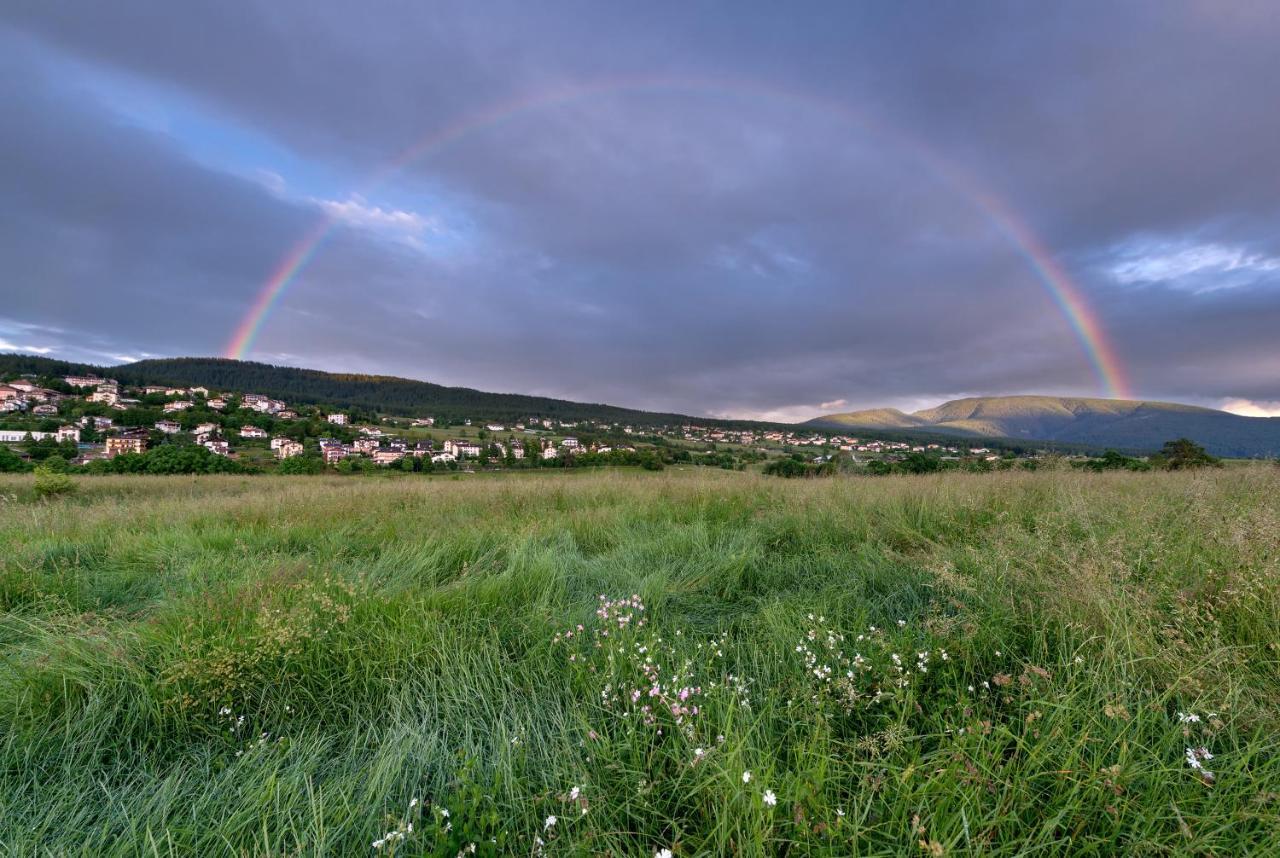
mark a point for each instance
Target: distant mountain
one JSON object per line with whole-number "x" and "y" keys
{"x": 381, "y": 393}
{"x": 1119, "y": 423}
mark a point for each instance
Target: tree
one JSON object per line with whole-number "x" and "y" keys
{"x": 919, "y": 463}
{"x": 1182, "y": 454}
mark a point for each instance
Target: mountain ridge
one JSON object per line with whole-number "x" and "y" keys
{"x": 1133, "y": 424}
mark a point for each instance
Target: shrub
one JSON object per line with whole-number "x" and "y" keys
{"x": 50, "y": 482}
{"x": 11, "y": 462}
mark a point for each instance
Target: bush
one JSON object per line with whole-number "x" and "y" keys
{"x": 301, "y": 465}
{"x": 11, "y": 462}
{"x": 51, "y": 483}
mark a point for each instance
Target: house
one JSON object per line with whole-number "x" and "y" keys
{"x": 444, "y": 457}
{"x": 45, "y": 410}
{"x": 461, "y": 448}
{"x": 570, "y": 443}
{"x": 105, "y": 395}
{"x": 206, "y": 428}
{"x": 200, "y": 391}
{"x": 387, "y": 457}
{"x": 337, "y": 419}
{"x": 217, "y": 403}
{"x": 288, "y": 449}
{"x": 548, "y": 452}
{"x": 217, "y": 447}
{"x": 495, "y": 427}
{"x": 425, "y": 421}
{"x": 280, "y": 441}
{"x": 85, "y": 380}
{"x": 99, "y": 423}
{"x": 365, "y": 445}
{"x": 178, "y": 405}
{"x": 286, "y": 414}
{"x": 266, "y": 406}
{"x": 422, "y": 448}
{"x": 67, "y": 433}
{"x": 152, "y": 389}
{"x": 252, "y": 432}
{"x": 8, "y": 391}
{"x": 517, "y": 450}
{"x": 169, "y": 427}
{"x": 332, "y": 451}
{"x": 125, "y": 444}
{"x": 23, "y": 385}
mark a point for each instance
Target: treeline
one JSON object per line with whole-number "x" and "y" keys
{"x": 1177, "y": 455}
{"x": 164, "y": 459}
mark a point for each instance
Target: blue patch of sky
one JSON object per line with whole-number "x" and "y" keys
{"x": 221, "y": 143}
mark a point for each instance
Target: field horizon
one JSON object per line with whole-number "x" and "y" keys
{"x": 625, "y": 663}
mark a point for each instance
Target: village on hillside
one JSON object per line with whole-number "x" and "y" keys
{"x": 87, "y": 419}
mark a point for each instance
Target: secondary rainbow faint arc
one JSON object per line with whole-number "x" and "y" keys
{"x": 1066, "y": 296}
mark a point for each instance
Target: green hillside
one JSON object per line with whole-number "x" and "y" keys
{"x": 382, "y": 393}
{"x": 1124, "y": 424}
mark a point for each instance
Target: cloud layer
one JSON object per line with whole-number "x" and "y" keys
{"x": 716, "y": 209}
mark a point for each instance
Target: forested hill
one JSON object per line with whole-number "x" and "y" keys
{"x": 381, "y": 393}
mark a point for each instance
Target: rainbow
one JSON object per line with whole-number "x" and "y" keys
{"x": 1065, "y": 294}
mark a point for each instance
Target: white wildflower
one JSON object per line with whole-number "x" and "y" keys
{"x": 746, "y": 777}
{"x": 769, "y": 798}
{"x": 550, "y": 823}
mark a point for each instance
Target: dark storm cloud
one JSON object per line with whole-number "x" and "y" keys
{"x": 696, "y": 239}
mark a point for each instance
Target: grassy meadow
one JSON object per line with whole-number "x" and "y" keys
{"x": 623, "y": 663}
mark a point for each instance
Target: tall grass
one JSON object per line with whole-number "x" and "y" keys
{"x": 998, "y": 664}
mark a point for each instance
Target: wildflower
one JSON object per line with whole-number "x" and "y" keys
{"x": 1196, "y": 758}
{"x": 699, "y": 753}
{"x": 1188, "y": 718}
{"x": 769, "y": 798}
{"x": 662, "y": 853}
{"x": 550, "y": 823}
{"x": 574, "y": 793}
{"x": 746, "y": 777}
{"x": 444, "y": 811}
{"x": 840, "y": 812}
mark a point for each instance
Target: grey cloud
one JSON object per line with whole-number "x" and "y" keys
{"x": 703, "y": 244}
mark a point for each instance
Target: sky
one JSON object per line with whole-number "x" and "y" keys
{"x": 753, "y": 210}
